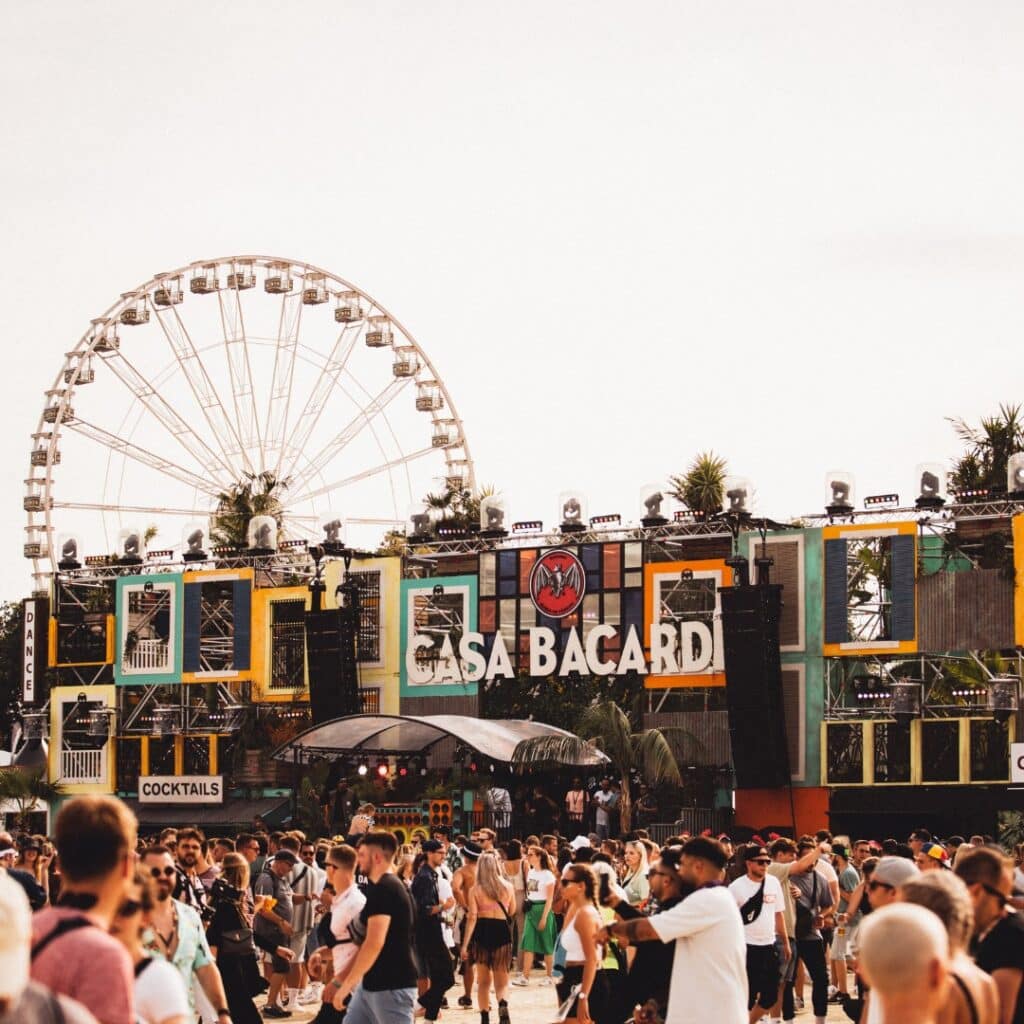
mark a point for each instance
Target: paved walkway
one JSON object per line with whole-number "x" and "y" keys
{"x": 536, "y": 1005}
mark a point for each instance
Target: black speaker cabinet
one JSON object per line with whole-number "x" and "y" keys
{"x": 753, "y": 670}
{"x": 331, "y": 659}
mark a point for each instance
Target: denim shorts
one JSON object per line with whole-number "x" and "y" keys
{"x": 392, "y": 1006}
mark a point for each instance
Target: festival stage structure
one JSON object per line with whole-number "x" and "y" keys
{"x": 861, "y": 665}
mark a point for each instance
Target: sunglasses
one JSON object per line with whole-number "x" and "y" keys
{"x": 760, "y": 860}
{"x": 128, "y": 908}
{"x": 308, "y": 853}
{"x": 992, "y": 891}
{"x": 873, "y": 885}
{"x": 157, "y": 872}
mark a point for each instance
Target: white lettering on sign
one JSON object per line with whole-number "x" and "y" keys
{"x": 181, "y": 789}
{"x": 688, "y": 648}
{"x": 1017, "y": 762}
{"x": 28, "y": 686}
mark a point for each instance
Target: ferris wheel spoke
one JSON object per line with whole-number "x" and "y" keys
{"x": 203, "y": 390}
{"x": 281, "y": 381}
{"x": 147, "y": 458}
{"x": 363, "y": 419}
{"x": 86, "y": 506}
{"x": 243, "y": 392}
{"x": 148, "y": 396}
{"x": 317, "y": 400}
{"x": 384, "y": 467}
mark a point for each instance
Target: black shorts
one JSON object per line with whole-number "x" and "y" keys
{"x": 762, "y": 976}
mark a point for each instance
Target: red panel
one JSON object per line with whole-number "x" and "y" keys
{"x": 526, "y": 560}
{"x": 612, "y": 565}
{"x": 487, "y": 616}
{"x": 761, "y": 808}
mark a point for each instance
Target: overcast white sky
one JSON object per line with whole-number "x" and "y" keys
{"x": 791, "y": 232}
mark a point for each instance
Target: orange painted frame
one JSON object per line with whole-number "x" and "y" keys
{"x": 703, "y": 566}
{"x": 888, "y": 647}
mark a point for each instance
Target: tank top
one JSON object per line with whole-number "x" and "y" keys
{"x": 570, "y": 938}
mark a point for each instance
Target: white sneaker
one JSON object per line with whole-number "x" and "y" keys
{"x": 521, "y": 979}
{"x": 311, "y": 994}
{"x": 547, "y": 980}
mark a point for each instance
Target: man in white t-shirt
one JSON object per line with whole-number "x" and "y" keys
{"x": 603, "y": 800}
{"x": 761, "y": 901}
{"x": 347, "y": 905}
{"x": 709, "y": 974}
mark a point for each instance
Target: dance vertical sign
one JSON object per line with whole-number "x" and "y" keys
{"x": 34, "y": 623}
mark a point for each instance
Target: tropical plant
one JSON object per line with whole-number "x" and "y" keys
{"x": 988, "y": 449}
{"x": 24, "y": 789}
{"x": 605, "y": 727}
{"x": 701, "y": 488}
{"x": 256, "y": 494}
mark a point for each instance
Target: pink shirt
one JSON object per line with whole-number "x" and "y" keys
{"x": 87, "y": 964}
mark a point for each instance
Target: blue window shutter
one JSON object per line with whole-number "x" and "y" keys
{"x": 242, "y": 609}
{"x": 836, "y": 625}
{"x": 904, "y": 557}
{"x": 190, "y": 622}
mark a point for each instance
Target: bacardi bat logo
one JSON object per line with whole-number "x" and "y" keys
{"x": 557, "y": 583}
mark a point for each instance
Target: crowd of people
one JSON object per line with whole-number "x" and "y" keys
{"x": 99, "y": 924}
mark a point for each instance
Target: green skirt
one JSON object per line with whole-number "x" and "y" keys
{"x": 536, "y": 939}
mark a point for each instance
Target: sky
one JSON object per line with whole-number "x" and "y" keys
{"x": 791, "y": 233}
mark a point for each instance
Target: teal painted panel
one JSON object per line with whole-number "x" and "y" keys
{"x": 459, "y": 592}
{"x": 147, "y": 630}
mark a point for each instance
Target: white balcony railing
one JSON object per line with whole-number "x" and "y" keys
{"x": 82, "y": 766}
{"x": 148, "y": 654}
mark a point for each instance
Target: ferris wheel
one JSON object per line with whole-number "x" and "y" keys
{"x": 234, "y": 371}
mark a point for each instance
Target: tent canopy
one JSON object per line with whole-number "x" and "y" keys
{"x": 415, "y": 734}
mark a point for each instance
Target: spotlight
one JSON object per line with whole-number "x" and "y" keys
{"x": 930, "y": 492}
{"x": 1004, "y": 697}
{"x": 492, "y": 516}
{"x": 652, "y": 499}
{"x": 382, "y": 769}
{"x": 192, "y": 538}
{"x": 363, "y": 768}
{"x": 573, "y": 506}
{"x": 737, "y": 490}
{"x": 69, "y": 554}
{"x": 906, "y": 702}
{"x": 840, "y": 485}
{"x": 403, "y": 769}
{"x": 131, "y": 545}
{"x": 1015, "y": 476}
{"x": 262, "y": 535}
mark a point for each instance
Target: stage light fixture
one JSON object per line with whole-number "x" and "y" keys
{"x": 573, "y": 510}
{"x": 192, "y": 539}
{"x": 652, "y": 497}
{"x": 493, "y": 516}
{"x": 1003, "y": 697}
{"x": 363, "y": 768}
{"x": 382, "y": 769}
{"x": 131, "y": 546}
{"x": 261, "y": 536}
{"x": 737, "y": 492}
{"x": 907, "y": 701}
{"x": 842, "y": 495}
{"x": 68, "y": 545}
{"x": 881, "y": 501}
{"x": 1015, "y": 476}
{"x": 931, "y": 489}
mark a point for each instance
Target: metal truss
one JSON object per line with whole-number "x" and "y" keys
{"x": 191, "y": 717}
{"x": 947, "y": 517}
{"x": 932, "y": 670}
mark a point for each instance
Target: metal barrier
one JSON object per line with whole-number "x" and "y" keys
{"x": 78, "y": 766}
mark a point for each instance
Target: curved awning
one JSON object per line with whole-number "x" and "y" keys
{"x": 495, "y": 739}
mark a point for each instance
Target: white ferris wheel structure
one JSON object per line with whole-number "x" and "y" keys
{"x": 209, "y": 375}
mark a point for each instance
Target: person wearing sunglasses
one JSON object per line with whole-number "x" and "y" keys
{"x": 160, "y": 996}
{"x": 998, "y": 932}
{"x": 761, "y": 901}
{"x": 178, "y": 935}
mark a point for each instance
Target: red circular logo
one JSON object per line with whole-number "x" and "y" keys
{"x": 557, "y": 583}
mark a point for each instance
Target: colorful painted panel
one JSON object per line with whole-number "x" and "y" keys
{"x": 148, "y": 644}
{"x": 217, "y": 625}
{"x": 435, "y": 616}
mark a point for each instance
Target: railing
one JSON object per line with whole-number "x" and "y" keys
{"x": 82, "y": 766}
{"x": 148, "y": 654}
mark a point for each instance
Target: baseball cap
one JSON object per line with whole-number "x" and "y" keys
{"x": 753, "y": 852}
{"x": 935, "y": 851}
{"x": 15, "y": 938}
{"x": 579, "y": 842}
{"x": 840, "y": 851}
{"x": 894, "y": 871}
{"x": 286, "y": 855}
{"x": 431, "y": 846}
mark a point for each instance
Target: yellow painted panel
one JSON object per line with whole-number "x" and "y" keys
{"x": 108, "y": 695}
{"x": 262, "y": 599}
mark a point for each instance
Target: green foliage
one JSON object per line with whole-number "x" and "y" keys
{"x": 604, "y": 726}
{"x": 256, "y": 494}
{"x": 24, "y": 788}
{"x": 701, "y": 488}
{"x": 988, "y": 449}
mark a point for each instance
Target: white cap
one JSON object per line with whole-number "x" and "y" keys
{"x": 579, "y": 842}
{"x": 15, "y": 938}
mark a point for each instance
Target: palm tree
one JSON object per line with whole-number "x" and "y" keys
{"x": 25, "y": 788}
{"x": 702, "y": 486}
{"x": 983, "y": 464}
{"x": 256, "y": 494}
{"x": 605, "y": 727}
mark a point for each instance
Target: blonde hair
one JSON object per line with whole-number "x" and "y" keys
{"x": 639, "y": 848}
{"x": 489, "y": 876}
{"x": 946, "y": 896}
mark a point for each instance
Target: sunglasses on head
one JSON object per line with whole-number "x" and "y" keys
{"x": 157, "y": 872}
{"x": 128, "y": 908}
